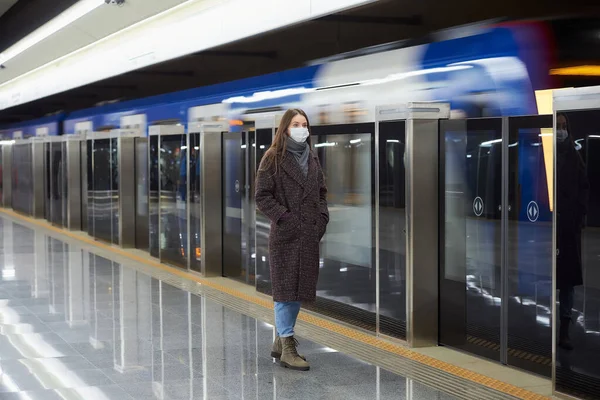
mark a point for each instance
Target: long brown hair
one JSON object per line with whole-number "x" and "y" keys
{"x": 274, "y": 156}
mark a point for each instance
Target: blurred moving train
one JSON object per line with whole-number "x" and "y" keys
{"x": 489, "y": 70}
{"x": 483, "y": 70}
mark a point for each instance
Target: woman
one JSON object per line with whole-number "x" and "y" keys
{"x": 291, "y": 192}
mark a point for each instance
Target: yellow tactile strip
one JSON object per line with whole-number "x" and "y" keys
{"x": 355, "y": 335}
{"x": 524, "y": 355}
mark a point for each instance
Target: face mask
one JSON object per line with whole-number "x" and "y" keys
{"x": 561, "y": 134}
{"x": 299, "y": 134}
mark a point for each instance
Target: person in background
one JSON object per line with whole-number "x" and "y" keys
{"x": 291, "y": 192}
{"x": 572, "y": 202}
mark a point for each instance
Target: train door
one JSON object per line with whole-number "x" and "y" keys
{"x": 245, "y": 231}
{"x": 168, "y": 206}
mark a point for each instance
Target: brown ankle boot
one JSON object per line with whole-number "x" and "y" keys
{"x": 290, "y": 357}
{"x": 278, "y": 348}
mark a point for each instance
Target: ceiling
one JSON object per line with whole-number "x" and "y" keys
{"x": 25, "y": 16}
{"x": 383, "y": 22}
{"x": 101, "y": 22}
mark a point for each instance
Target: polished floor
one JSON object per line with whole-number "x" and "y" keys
{"x": 76, "y": 325}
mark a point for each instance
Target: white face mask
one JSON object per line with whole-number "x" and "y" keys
{"x": 561, "y": 134}
{"x": 299, "y": 134}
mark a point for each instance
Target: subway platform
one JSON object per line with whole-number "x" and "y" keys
{"x": 80, "y": 319}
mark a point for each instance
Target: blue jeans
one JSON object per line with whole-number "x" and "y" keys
{"x": 286, "y": 314}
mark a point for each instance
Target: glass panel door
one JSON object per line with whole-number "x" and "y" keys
{"x": 1, "y": 175}
{"x": 22, "y": 185}
{"x": 101, "y": 201}
{"x": 578, "y": 253}
{"x": 48, "y": 181}
{"x": 248, "y": 207}
{"x": 141, "y": 194}
{"x": 470, "y": 254}
{"x": 347, "y": 281}
{"x": 91, "y": 228}
{"x": 195, "y": 202}
{"x": 528, "y": 299}
{"x": 153, "y": 201}
{"x": 234, "y": 187}
{"x": 258, "y": 224}
{"x": 392, "y": 229}
{"x": 57, "y": 184}
{"x": 173, "y": 200}
{"x": 114, "y": 189}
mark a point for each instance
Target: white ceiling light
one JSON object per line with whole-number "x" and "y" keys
{"x": 69, "y": 16}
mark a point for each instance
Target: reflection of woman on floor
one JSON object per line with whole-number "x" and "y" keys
{"x": 572, "y": 196}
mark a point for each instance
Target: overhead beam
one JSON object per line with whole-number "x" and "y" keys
{"x": 414, "y": 20}
{"x": 83, "y": 95}
{"x": 238, "y": 53}
{"x": 187, "y": 74}
{"x": 113, "y": 87}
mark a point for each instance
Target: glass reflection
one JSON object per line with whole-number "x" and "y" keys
{"x": 259, "y": 225}
{"x": 97, "y": 329}
{"x": 153, "y": 201}
{"x": 22, "y": 179}
{"x": 57, "y": 184}
{"x": 114, "y": 192}
{"x": 529, "y": 262}
{"x": 173, "y": 200}
{"x": 392, "y": 229}
{"x": 141, "y": 195}
{"x": 195, "y": 198}
{"x": 48, "y": 181}
{"x": 346, "y": 287}
{"x": 577, "y": 254}
{"x": 1, "y": 175}
{"x": 90, "y": 188}
{"x": 234, "y": 189}
{"x": 103, "y": 191}
{"x": 470, "y": 275}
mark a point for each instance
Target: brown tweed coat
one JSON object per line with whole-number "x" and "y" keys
{"x": 294, "y": 241}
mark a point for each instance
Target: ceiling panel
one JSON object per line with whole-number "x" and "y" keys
{"x": 63, "y": 42}
{"x": 102, "y": 22}
{"x": 110, "y": 19}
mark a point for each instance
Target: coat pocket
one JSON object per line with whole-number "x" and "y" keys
{"x": 321, "y": 227}
{"x": 286, "y": 230}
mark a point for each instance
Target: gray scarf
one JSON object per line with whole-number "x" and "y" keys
{"x": 301, "y": 152}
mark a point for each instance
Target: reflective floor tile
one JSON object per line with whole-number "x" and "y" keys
{"x": 108, "y": 392}
{"x": 125, "y": 335}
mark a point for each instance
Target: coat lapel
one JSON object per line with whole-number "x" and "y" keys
{"x": 312, "y": 179}
{"x": 290, "y": 165}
